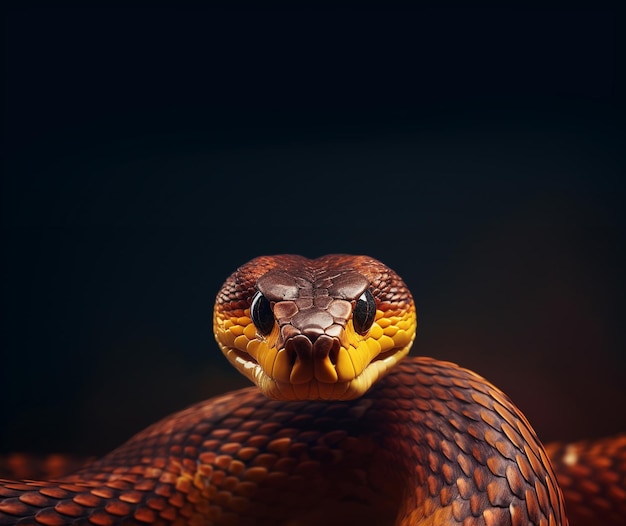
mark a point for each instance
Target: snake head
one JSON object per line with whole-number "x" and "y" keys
{"x": 306, "y": 329}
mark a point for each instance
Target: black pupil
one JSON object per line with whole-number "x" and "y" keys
{"x": 364, "y": 312}
{"x": 261, "y": 313}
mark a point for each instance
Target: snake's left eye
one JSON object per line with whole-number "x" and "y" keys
{"x": 364, "y": 312}
{"x": 261, "y": 313}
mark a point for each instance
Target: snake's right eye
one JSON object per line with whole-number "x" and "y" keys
{"x": 261, "y": 314}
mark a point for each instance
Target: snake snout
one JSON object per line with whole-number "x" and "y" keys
{"x": 313, "y": 355}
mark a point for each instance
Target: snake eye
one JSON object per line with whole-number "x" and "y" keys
{"x": 364, "y": 312}
{"x": 261, "y": 313}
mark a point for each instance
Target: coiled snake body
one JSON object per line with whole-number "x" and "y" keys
{"x": 430, "y": 443}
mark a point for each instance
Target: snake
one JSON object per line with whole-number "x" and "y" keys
{"x": 341, "y": 427}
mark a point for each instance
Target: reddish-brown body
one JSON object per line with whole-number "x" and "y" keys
{"x": 592, "y": 476}
{"x": 430, "y": 444}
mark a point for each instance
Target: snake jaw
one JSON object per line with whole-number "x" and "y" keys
{"x": 314, "y": 347}
{"x": 340, "y": 373}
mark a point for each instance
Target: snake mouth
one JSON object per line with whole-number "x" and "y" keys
{"x": 385, "y": 355}
{"x": 290, "y": 377}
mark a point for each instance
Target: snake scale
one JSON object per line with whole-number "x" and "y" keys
{"x": 339, "y": 430}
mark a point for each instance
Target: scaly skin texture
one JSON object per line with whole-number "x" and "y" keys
{"x": 592, "y": 475}
{"x": 431, "y": 443}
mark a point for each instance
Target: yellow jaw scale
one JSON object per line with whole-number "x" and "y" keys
{"x": 313, "y": 349}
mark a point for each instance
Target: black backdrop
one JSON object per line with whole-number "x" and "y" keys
{"x": 148, "y": 152}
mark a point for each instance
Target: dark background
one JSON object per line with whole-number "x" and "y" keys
{"x": 149, "y": 152}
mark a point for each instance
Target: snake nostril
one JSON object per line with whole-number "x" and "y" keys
{"x": 333, "y": 354}
{"x": 292, "y": 356}
{"x": 300, "y": 346}
{"x": 326, "y": 346}
{"x": 312, "y": 332}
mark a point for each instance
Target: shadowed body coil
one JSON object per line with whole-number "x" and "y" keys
{"x": 430, "y": 443}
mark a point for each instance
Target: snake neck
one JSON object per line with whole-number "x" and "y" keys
{"x": 430, "y": 444}
{"x": 464, "y": 448}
